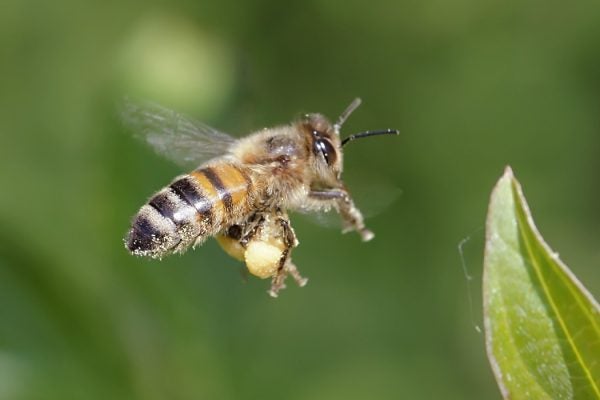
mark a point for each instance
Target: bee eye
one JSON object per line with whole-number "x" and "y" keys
{"x": 324, "y": 147}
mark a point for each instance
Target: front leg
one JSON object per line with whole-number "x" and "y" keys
{"x": 351, "y": 216}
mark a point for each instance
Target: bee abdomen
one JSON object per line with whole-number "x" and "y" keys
{"x": 193, "y": 207}
{"x": 228, "y": 186}
{"x": 151, "y": 234}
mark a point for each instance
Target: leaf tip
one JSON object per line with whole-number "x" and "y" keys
{"x": 508, "y": 172}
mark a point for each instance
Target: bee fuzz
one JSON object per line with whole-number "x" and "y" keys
{"x": 262, "y": 258}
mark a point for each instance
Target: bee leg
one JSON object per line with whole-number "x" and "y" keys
{"x": 286, "y": 266}
{"x": 351, "y": 215}
{"x": 291, "y": 241}
{"x": 277, "y": 284}
{"x": 251, "y": 228}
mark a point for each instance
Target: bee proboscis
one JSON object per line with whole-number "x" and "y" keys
{"x": 242, "y": 188}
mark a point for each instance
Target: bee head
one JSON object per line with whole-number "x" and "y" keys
{"x": 325, "y": 143}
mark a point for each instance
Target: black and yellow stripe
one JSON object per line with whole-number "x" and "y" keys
{"x": 227, "y": 186}
{"x": 194, "y": 206}
{"x": 189, "y": 193}
{"x": 161, "y": 203}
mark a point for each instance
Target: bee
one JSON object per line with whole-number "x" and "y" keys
{"x": 241, "y": 189}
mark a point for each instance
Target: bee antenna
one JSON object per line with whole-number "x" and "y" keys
{"x": 370, "y": 133}
{"x": 353, "y": 106}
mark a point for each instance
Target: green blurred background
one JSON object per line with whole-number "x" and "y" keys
{"x": 473, "y": 86}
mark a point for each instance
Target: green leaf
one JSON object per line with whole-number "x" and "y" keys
{"x": 542, "y": 327}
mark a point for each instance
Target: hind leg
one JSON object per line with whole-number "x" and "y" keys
{"x": 264, "y": 243}
{"x": 286, "y": 266}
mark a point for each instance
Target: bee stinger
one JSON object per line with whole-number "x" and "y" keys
{"x": 242, "y": 188}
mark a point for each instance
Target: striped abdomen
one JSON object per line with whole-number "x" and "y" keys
{"x": 194, "y": 206}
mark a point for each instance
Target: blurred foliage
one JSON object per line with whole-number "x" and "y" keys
{"x": 472, "y": 86}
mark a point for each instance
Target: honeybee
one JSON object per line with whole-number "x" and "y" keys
{"x": 242, "y": 189}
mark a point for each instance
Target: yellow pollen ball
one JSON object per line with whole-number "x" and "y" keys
{"x": 262, "y": 258}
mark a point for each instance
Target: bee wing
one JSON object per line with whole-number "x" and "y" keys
{"x": 179, "y": 138}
